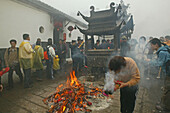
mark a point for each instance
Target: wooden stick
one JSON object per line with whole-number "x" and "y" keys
{"x": 159, "y": 74}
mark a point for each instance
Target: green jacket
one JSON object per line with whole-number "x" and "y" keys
{"x": 38, "y": 56}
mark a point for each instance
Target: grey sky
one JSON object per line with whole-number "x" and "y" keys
{"x": 151, "y": 17}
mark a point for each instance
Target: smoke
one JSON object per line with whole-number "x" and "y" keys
{"x": 109, "y": 82}
{"x": 139, "y": 53}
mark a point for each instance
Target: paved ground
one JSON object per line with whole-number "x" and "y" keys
{"x": 19, "y": 100}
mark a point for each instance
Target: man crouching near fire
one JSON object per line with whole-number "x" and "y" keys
{"x": 128, "y": 73}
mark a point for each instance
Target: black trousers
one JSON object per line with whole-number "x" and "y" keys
{"x": 77, "y": 65}
{"x": 10, "y": 74}
{"x": 49, "y": 68}
{"x": 27, "y": 77}
{"x": 128, "y": 98}
{"x": 62, "y": 63}
{"x": 39, "y": 73}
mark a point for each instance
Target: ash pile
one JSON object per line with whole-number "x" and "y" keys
{"x": 77, "y": 97}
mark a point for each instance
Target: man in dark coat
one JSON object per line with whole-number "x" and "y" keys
{"x": 62, "y": 54}
{"x": 124, "y": 47}
{"x": 76, "y": 56}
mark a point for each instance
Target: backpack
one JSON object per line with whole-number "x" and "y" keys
{"x": 17, "y": 51}
{"x": 164, "y": 50}
{"x": 167, "y": 64}
{"x": 47, "y": 54}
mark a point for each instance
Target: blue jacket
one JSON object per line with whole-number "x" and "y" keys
{"x": 163, "y": 57}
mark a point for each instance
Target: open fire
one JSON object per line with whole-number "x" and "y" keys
{"x": 72, "y": 96}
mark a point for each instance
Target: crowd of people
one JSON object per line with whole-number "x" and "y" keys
{"x": 148, "y": 55}
{"x": 133, "y": 54}
{"x": 106, "y": 44}
{"x": 28, "y": 57}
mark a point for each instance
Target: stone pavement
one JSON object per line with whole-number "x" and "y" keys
{"x": 20, "y": 100}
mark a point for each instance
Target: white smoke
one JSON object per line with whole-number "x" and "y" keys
{"x": 109, "y": 82}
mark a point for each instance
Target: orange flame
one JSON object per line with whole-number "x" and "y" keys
{"x": 72, "y": 95}
{"x": 64, "y": 108}
{"x": 73, "y": 79}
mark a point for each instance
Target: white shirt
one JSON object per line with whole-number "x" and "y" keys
{"x": 51, "y": 51}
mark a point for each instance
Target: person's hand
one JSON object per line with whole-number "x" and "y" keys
{"x": 123, "y": 85}
{"x": 3, "y": 69}
{"x": 1, "y": 87}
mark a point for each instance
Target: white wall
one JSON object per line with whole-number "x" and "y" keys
{"x": 74, "y": 34}
{"x": 16, "y": 19}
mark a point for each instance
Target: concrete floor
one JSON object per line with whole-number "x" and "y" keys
{"x": 20, "y": 100}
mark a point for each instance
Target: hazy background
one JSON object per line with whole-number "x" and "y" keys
{"x": 151, "y": 17}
